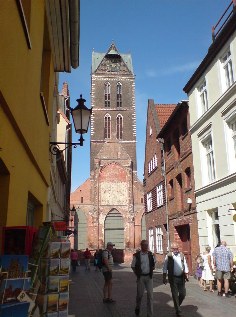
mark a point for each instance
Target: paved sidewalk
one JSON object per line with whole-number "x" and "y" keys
{"x": 86, "y": 297}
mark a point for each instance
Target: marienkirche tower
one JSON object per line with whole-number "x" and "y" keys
{"x": 115, "y": 210}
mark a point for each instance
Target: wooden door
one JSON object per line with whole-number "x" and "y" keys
{"x": 184, "y": 236}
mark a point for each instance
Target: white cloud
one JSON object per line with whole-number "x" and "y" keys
{"x": 151, "y": 73}
{"x": 173, "y": 70}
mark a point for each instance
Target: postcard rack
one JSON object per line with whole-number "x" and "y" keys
{"x": 50, "y": 264}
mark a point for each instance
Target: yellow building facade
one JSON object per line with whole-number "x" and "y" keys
{"x": 29, "y": 64}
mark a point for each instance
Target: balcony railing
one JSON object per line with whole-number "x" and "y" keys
{"x": 216, "y": 29}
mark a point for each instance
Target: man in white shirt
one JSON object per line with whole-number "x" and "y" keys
{"x": 176, "y": 266}
{"x": 143, "y": 265}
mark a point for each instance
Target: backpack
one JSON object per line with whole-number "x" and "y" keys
{"x": 99, "y": 259}
{"x": 103, "y": 258}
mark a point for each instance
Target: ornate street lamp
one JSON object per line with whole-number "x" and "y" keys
{"x": 73, "y": 211}
{"x": 81, "y": 117}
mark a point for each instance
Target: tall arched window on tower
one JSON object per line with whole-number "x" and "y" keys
{"x": 107, "y": 126}
{"x": 119, "y": 127}
{"x": 107, "y": 94}
{"x": 119, "y": 95}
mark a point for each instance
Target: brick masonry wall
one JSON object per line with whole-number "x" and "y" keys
{"x": 180, "y": 212}
{"x": 182, "y": 216}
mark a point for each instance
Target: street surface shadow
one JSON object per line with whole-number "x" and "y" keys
{"x": 162, "y": 307}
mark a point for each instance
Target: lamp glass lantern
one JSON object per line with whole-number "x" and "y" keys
{"x": 81, "y": 116}
{"x": 73, "y": 211}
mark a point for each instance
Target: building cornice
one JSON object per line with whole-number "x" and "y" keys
{"x": 63, "y": 18}
{"x": 231, "y": 92}
{"x": 217, "y": 184}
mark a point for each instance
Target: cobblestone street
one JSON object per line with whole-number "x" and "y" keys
{"x": 86, "y": 297}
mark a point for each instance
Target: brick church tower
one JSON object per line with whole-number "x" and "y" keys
{"x": 114, "y": 207}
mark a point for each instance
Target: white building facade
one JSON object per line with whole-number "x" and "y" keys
{"x": 212, "y": 104}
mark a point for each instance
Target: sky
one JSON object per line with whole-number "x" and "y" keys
{"x": 167, "y": 40}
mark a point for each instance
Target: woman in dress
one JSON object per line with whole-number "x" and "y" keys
{"x": 207, "y": 273}
{"x": 199, "y": 269}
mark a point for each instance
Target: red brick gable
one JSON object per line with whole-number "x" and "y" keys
{"x": 82, "y": 191}
{"x": 163, "y": 112}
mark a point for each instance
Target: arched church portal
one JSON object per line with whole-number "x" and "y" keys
{"x": 114, "y": 229}
{"x": 82, "y": 231}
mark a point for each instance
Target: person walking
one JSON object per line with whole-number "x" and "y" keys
{"x": 176, "y": 266}
{"x": 143, "y": 264}
{"x": 74, "y": 259}
{"x": 223, "y": 263}
{"x": 95, "y": 256}
{"x": 107, "y": 265}
{"x": 87, "y": 257}
{"x": 199, "y": 269}
{"x": 99, "y": 258}
{"x": 207, "y": 273}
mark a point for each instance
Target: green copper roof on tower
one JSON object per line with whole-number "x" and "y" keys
{"x": 112, "y": 52}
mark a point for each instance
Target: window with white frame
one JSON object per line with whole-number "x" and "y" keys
{"x": 152, "y": 164}
{"x": 213, "y": 227}
{"x": 159, "y": 240}
{"x": 150, "y": 130}
{"x": 159, "y": 195}
{"x": 149, "y": 201}
{"x": 228, "y": 77}
{"x": 155, "y": 160}
{"x": 203, "y": 97}
{"x": 151, "y": 239}
{"x": 230, "y": 137}
{"x": 209, "y": 158}
{"x": 233, "y": 129}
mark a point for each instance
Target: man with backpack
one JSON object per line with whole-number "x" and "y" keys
{"x": 176, "y": 266}
{"x": 143, "y": 265}
{"x": 107, "y": 265}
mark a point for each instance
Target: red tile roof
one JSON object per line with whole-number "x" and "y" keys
{"x": 163, "y": 112}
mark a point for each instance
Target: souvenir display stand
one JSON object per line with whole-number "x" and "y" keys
{"x": 37, "y": 285}
{"x": 15, "y": 286}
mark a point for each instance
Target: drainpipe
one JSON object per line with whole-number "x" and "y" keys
{"x": 74, "y": 9}
{"x": 160, "y": 140}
